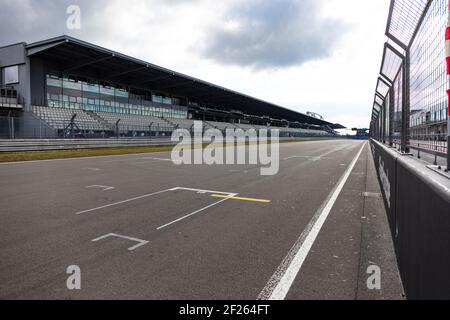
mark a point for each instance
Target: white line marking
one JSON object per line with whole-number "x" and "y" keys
{"x": 193, "y": 213}
{"x": 147, "y": 162}
{"x": 105, "y": 188}
{"x": 159, "y": 159}
{"x": 203, "y": 191}
{"x": 140, "y": 242}
{"x": 281, "y": 281}
{"x": 124, "y": 201}
{"x": 153, "y": 194}
{"x": 92, "y": 169}
{"x": 307, "y": 157}
{"x": 320, "y": 157}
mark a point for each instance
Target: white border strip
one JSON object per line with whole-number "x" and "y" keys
{"x": 280, "y": 283}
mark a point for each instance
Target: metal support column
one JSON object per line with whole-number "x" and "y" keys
{"x": 405, "y": 105}
{"x": 407, "y": 100}
{"x": 391, "y": 117}
{"x": 382, "y": 123}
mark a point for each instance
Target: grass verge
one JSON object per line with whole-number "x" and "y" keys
{"x": 82, "y": 153}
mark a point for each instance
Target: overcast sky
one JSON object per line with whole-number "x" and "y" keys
{"x": 307, "y": 55}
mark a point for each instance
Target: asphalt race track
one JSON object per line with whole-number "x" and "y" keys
{"x": 140, "y": 227}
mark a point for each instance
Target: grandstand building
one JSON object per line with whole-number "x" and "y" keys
{"x": 65, "y": 87}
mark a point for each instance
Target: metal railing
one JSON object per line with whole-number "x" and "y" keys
{"x": 44, "y": 124}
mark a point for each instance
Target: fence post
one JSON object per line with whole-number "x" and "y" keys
{"x": 382, "y": 122}
{"x": 408, "y": 101}
{"x": 12, "y": 128}
{"x": 448, "y": 140}
{"x": 380, "y": 128}
{"x": 447, "y": 58}
{"x": 405, "y": 104}
{"x": 391, "y": 116}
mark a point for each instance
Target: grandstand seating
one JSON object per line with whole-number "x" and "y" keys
{"x": 59, "y": 118}
{"x": 183, "y": 123}
{"x": 130, "y": 122}
{"x": 245, "y": 126}
{"x": 222, "y": 125}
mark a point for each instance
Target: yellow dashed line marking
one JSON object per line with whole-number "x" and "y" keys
{"x": 240, "y": 198}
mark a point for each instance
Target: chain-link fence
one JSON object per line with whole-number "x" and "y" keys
{"x": 411, "y": 103}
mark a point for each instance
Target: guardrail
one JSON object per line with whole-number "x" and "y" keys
{"x": 73, "y": 144}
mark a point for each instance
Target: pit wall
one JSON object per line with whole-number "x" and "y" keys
{"x": 417, "y": 201}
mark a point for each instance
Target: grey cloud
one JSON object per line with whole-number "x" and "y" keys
{"x": 272, "y": 34}
{"x": 33, "y": 20}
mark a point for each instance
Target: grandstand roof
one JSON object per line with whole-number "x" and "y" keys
{"x": 74, "y": 55}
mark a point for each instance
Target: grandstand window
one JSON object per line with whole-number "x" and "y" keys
{"x": 54, "y": 81}
{"x": 91, "y": 87}
{"x": 121, "y": 93}
{"x": 100, "y": 96}
{"x": 70, "y": 83}
{"x": 107, "y": 90}
{"x": 157, "y": 99}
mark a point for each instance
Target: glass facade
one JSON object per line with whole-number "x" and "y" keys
{"x": 428, "y": 80}
{"x": 79, "y": 93}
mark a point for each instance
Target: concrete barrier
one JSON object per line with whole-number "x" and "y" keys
{"x": 417, "y": 200}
